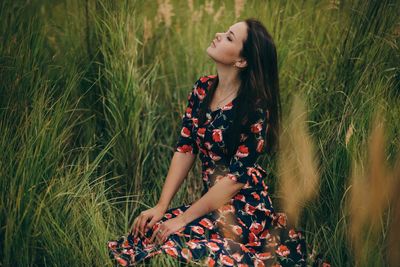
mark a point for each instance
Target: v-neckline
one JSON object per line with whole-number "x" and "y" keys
{"x": 219, "y": 109}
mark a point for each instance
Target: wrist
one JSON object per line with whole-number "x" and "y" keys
{"x": 184, "y": 219}
{"x": 162, "y": 206}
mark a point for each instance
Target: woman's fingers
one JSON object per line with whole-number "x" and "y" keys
{"x": 142, "y": 224}
{"x": 155, "y": 233}
{"x": 138, "y": 223}
{"x": 135, "y": 224}
{"x": 151, "y": 223}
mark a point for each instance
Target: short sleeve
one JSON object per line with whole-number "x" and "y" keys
{"x": 251, "y": 146}
{"x": 186, "y": 141}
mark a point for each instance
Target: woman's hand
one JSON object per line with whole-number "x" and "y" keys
{"x": 142, "y": 223}
{"x": 167, "y": 228}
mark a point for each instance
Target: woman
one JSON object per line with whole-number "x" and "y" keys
{"x": 231, "y": 119}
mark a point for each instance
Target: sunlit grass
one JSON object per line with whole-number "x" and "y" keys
{"x": 92, "y": 94}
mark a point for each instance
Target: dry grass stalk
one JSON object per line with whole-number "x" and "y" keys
{"x": 239, "y": 5}
{"x": 197, "y": 15}
{"x": 164, "y": 12}
{"x": 370, "y": 191}
{"x": 297, "y": 164}
{"x": 394, "y": 229}
{"x": 190, "y": 5}
{"x": 379, "y": 175}
{"x": 396, "y": 30}
{"x": 349, "y": 133}
{"x": 147, "y": 30}
{"x": 219, "y": 13}
{"x": 333, "y": 4}
{"x": 209, "y": 7}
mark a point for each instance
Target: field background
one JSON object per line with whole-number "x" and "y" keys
{"x": 91, "y": 98}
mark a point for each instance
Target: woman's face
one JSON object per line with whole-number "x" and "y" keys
{"x": 226, "y": 46}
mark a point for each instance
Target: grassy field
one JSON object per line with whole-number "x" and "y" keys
{"x": 91, "y": 98}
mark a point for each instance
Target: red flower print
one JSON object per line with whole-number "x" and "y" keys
{"x": 185, "y": 132}
{"x": 122, "y": 261}
{"x": 243, "y": 248}
{"x": 177, "y": 212}
{"x": 204, "y": 79}
{"x": 217, "y": 135}
{"x": 188, "y": 112}
{"x": 213, "y": 246}
{"x": 242, "y": 151}
{"x": 256, "y": 227}
{"x": 214, "y": 156}
{"x": 252, "y": 237}
{"x": 192, "y": 245}
{"x": 281, "y": 219}
{"x": 255, "y": 195}
{"x": 228, "y": 208}
{"x": 208, "y": 145}
{"x": 260, "y": 145}
{"x": 237, "y": 256}
{"x": 254, "y": 244}
{"x": 185, "y": 148}
{"x": 206, "y": 223}
{"x": 243, "y": 265}
{"x": 112, "y": 245}
{"x": 201, "y": 93}
{"x": 325, "y": 264}
{"x": 265, "y": 234}
{"x": 125, "y": 244}
{"x": 228, "y": 106}
{"x": 186, "y": 253}
{"x": 256, "y": 127}
{"x": 195, "y": 122}
{"x": 255, "y": 179}
{"x": 292, "y": 233}
{"x": 264, "y": 255}
{"x": 172, "y": 251}
{"x": 283, "y": 251}
{"x": 228, "y": 261}
{"x": 201, "y": 131}
{"x": 210, "y": 262}
{"x": 168, "y": 215}
{"x": 240, "y": 197}
{"x": 298, "y": 249}
{"x": 249, "y": 209}
{"x": 237, "y": 229}
{"x": 197, "y": 229}
{"x": 214, "y": 236}
{"x": 258, "y": 263}
{"x": 169, "y": 244}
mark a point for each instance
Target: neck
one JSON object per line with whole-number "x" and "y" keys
{"x": 228, "y": 79}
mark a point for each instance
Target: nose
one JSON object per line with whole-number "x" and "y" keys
{"x": 218, "y": 36}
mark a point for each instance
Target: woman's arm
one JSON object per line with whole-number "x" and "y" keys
{"x": 180, "y": 165}
{"x": 218, "y": 195}
{"x": 178, "y": 170}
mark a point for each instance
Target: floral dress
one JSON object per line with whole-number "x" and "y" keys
{"x": 246, "y": 231}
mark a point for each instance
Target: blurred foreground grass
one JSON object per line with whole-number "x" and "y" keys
{"x": 92, "y": 94}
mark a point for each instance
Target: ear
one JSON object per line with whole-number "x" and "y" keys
{"x": 242, "y": 63}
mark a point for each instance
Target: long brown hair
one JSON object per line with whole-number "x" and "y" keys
{"x": 259, "y": 87}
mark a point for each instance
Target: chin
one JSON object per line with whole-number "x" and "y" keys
{"x": 209, "y": 53}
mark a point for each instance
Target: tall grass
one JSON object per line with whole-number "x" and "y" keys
{"x": 92, "y": 97}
